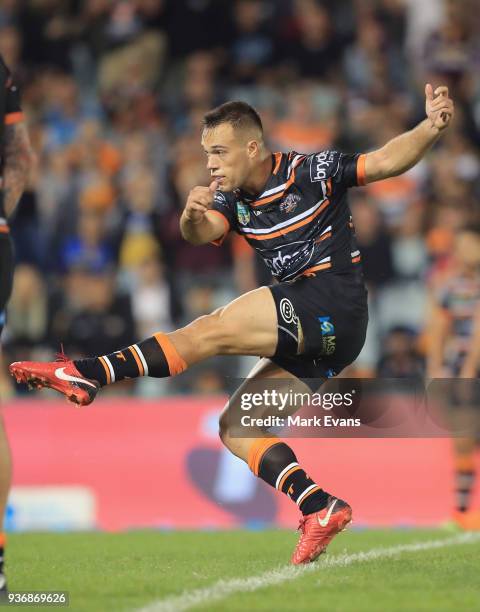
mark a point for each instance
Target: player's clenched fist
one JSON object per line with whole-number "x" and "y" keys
{"x": 200, "y": 199}
{"x": 438, "y": 106}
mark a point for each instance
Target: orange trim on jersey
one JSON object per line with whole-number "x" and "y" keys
{"x": 329, "y": 187}
{"x": 13, "y": 118}
{"x": 275, "y": 196}
{"x": 317, "y": 488}
{"x": 324, "y": 237}
{"x": 257, "y": 450}
{"x": 107, "y": 369}
{"x": 176, "y": 364}
{"x": 3, "y": 538}
{"x": 219, "y": 241}
{"x": 4, "y": 229}
{"x": 361, "y": 174}
{"x": 356, "y": 259}
{"x": 289, "y": 473}
{"x": 289, "y": 228}
{"x": 141, "y": 370}
{"x": 464, "y": 463}
{"x": 324, "y": 266}
{"x": 278, "y": 161}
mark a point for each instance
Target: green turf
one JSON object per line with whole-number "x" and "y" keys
{"x": 119, "y": 572}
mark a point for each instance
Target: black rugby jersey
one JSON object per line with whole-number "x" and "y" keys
{"x": 301, "y": 222}
{"x": 13, "y": 111}
{"x": 13, "y": 114}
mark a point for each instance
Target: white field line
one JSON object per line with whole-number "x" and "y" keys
{"x": 224, "y": 588}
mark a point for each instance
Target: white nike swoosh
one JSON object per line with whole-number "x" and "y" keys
{"x": 60, "y": 373}
{"x": 324, "y": 521}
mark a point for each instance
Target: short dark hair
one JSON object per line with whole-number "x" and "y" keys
{"x": 238, "y": 114}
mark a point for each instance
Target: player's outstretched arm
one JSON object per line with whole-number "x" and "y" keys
{"x": 198, "y": 224}
{"x": 19, "y": 159}
{"x": 404, "y": 151}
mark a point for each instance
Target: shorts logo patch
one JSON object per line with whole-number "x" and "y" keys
{"x": 326, "y": 326}
{"x": 287, "y": 311}
{"x": 243, "y": 214}
{"x": 328, "y": 333}
{"x": 290, "y": 203}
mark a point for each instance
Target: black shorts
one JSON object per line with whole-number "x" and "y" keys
{"x": 330, "y": 311}
{"x": 6, "y": 274}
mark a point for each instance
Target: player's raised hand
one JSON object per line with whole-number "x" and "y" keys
{"x": 438, "y": 106}
{"x": 200, "y": 199}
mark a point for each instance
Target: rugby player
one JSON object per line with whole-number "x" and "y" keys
{"x": 292, "y": 209}
{"x": 16, "y": 161}
{"x": 454, "y": 353}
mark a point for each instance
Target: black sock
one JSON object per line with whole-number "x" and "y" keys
{"x": 156, "y": 356}
{"x": 464, "y": 480}
{"x": 3, "y": 585}
{"x": 275, "y": 463}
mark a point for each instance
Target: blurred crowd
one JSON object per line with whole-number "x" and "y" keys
{"x": 114, "y": 92}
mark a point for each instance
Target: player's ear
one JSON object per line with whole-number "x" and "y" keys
{"x": 252, "y": 148}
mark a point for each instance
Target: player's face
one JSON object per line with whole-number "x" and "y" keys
{"x": 230, "y": 155}
{"x": 467, "y": 249}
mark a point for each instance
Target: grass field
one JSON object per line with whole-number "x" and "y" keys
{"x": 244, "y": 570}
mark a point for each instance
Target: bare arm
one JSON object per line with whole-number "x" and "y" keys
{"x": 439, "y": 329}
{"x": 199, "y": 224}
{"x": 209, "y": 229}
{"x": 403, "y": 152}
{"x": 18, "y": 161}
{"x": 472, "y": 360}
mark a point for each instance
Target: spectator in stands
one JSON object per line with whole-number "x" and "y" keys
{"x": 114, "y": 92}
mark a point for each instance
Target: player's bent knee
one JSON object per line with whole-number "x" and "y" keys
{"x": 223, "y": 428}
{"x": 226, "y": 431}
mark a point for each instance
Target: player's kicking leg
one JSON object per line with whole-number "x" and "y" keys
{"x": 272, "y": 460}
{"x": 246, "y": 326}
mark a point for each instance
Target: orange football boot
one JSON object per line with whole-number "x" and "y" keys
{"x": 61, "y": 375}
{"x": 319, "y": 528}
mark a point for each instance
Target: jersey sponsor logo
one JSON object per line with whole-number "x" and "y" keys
{"x": 293, "y": 262}
{"x": 290, "y": 203}
{"x": 281, "y": 262}
{"x": 287, "y": 311}
{"x": 320, "y": 164}
{"x": 264, "y": 209}
{"x": 243, "y": 214}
